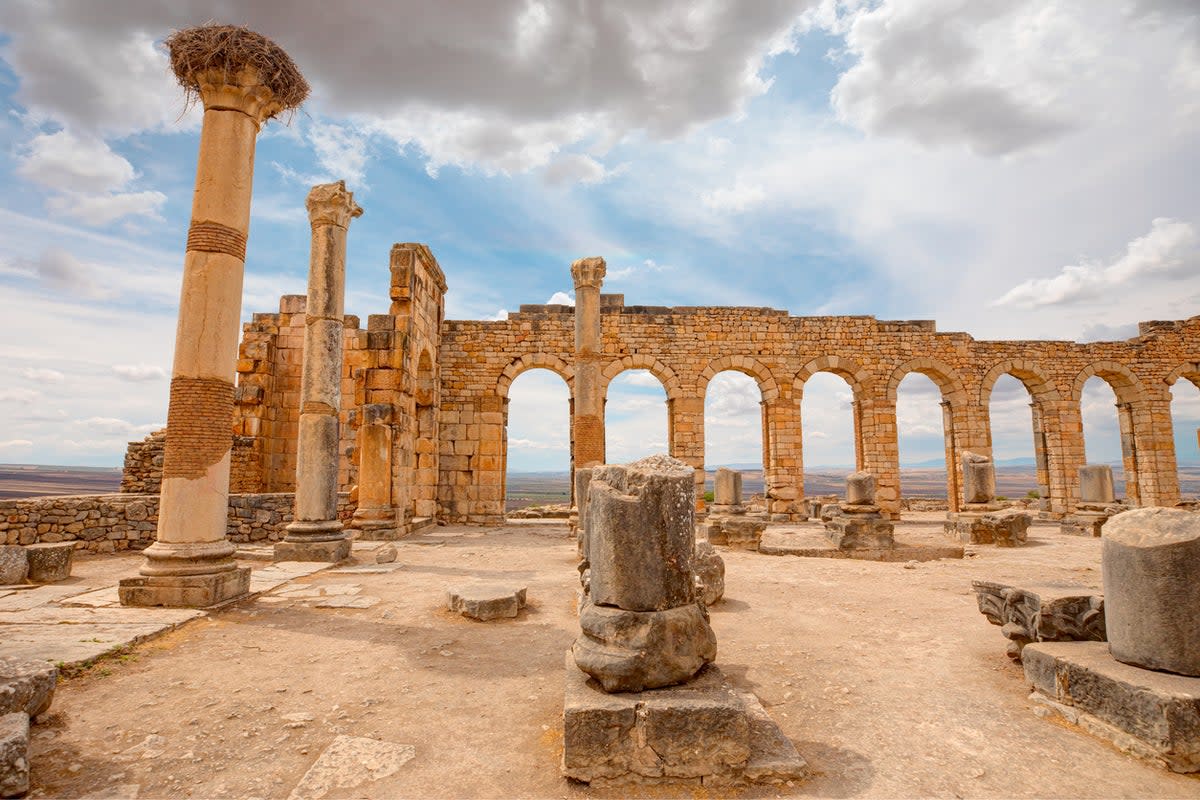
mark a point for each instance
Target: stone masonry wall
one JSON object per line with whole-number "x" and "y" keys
{"x": 107, "y": 523}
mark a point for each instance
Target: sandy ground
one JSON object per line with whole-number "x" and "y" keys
{"x": 885, "y": 675}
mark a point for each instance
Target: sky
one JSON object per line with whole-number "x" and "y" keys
{"x": 1009, "y": 168}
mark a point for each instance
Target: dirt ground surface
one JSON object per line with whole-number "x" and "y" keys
{"x": 885, "y": 676}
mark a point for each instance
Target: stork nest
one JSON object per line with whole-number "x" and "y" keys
{"x": 230, "y": 49}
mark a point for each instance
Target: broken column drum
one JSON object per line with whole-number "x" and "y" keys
{"x": 191, "y": 562}
{"x": 860, "y": 525}
{"x": 317, "y": 534}
{"x": 375, "y": 517}
{"x": 642, "y": 626}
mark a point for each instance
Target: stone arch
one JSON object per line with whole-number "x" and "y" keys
{"x": 535, "y": 361}
{"x": 1029, "y": 373}
{"x": 1189, "y": 371}
{"x": 942, "y": 374}
{"x": 1125, "y": 385}
{"x": 747, "y": 365}
{"x": 666, "y": 376}
{"x": 845, "y": 368}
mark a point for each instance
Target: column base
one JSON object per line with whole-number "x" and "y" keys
{"x": 331, "y": 551}
{"x": 185, "y": 591}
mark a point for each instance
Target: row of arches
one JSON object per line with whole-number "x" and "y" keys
{"x": 916, "y": 422}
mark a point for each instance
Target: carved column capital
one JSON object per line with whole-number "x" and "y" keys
{"x": 242, "y": 91}
{"x": 331, "y": 204}
{"x": 588, "y": 272}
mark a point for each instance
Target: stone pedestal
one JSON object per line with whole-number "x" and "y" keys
{"x": 50, "y": 562}
{"x": 727, "y": 492}
{"x": 739, "y": 531}
{"x": 317, "y": 534}
{"x": 1151, "y": 565}
{"x": 703, "y": 733}
{"x": 858, "y": 523}
{"x": 375, "y": 517}
{"x": 1154, "y": 715}
{"x": 1002, "y": 527}
{"x": 1052, "y": 612}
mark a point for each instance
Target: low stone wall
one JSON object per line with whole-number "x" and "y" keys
{"x": 106, "y": 523}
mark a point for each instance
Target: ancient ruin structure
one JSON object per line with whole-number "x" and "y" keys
{"x": 243, "y": 79}
{"x": 728, "y": 522}
{"x": 1097, "y": 502}
{"x": 1142, "y": 688}
{"x": 431, "y": 395}
{"x": 317, "y": 533}
{"x": 859, "y": 525}
{"x": 982, "y": 520}
{"x": 643, "y": 701}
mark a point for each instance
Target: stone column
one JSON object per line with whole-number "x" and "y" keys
{"x": 588, "y": 421}
{"x": 375, "y": 517}
{"x": 783, "y": 457}
{"x": 317, "y": 534}
{"x": 686, "y": 429}
{"x": 191, "y": 563}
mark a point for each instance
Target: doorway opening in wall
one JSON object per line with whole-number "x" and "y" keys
{"x": 733, "y": 434}
{"x": 1185, "y": 421}
{"x": 1014, "y": 449}
{"x": 538, "y": 446}
{"x": 827, "y": 427}
{"x": 921, "y": 439}
{"x": 1102, "y": 429}
{"x": 635, "y": 417}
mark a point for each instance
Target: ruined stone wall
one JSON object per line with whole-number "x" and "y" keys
{"x": 108, "y": 523}
{"x": 685, "y": 347}
{"x": 143, "y": 464}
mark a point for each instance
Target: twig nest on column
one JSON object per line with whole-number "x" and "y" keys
{"x": 236, "y": 56}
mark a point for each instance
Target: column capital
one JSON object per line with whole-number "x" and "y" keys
{"x": 331, "y": 204}
{"x": 220, "y": 91}
{"x": 588, "y": 272}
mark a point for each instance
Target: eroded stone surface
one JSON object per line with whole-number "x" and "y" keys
{"x": 26, "y": 685}
{"x": 486, "y": 601}
{"x": 978, "y": 478}
{"x": 1151, "y": 566}
{"x": 14, "y": 565}
{"x": 14, "y": 754}
{"x": 350, "y": 762}
{"x": 710, "y": 573}
{"x": 49, "y": 562}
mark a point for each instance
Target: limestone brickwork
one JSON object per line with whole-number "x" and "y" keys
{"x": 108, "y": 523}
{"x": 447, "y": 382}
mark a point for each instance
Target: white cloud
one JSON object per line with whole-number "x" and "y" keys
{"x": 1169, "y": 250}
{"x": 20, "y": 395}
{"x": 574, "y": 168}
{"x": 67, "y": 162}
{"x": 16, "y": 444}
{"x": 649, "y": 266}
{"x": 341, "y": 150}
{"x": 139, "y": 372}
{"x": 43, "y": 375}
{"x": 560, "y": 299}
{"x": 739, "y": 197}
{"x": 101, "y": 209}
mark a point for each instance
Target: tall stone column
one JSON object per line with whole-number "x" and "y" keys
{"x": 191, "y": 562}
{"x": 587, "y": 423}
{"x": 317, "y": 534}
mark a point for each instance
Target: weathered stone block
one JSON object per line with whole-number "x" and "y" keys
{"x": 1041, "y": 613}
{"x": 628, "y": 651}
{"x": 727, "y": 487}
{"x": 1160, "y": 712}
{"x": 14, "y": 754}
{"x": 486, "y": 601}
{"x": 1083, "y": 523}
{"x": 185, "y": 591}
{"x": 1151, "y": 566}
{"x": 1096, "y": 484}
{"x": 710, "y": 573}
{"x": 640, "y": 534}
{"x": 26, "y": 685}
{"x": 14, "y": 564}
{"x": 860, "y": 532}
{"x": 978, "y": 477}
{"x": 860, "y": 488}
{"x": 49, "y": 562}
{"x": 1005, "y": 528}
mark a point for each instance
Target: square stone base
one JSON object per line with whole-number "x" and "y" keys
{"x": 185, "y": 591}
{"x": 1082, "y": 524}
{"x": 860, "y": 532}
{"x": 739, "y": 531}
{"x": 1154, "y": 715}
{"x": 337, "y": 550}
{"x": 702, "y": 732}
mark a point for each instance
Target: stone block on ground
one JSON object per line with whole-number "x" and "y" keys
{"x": 1151, "y": 567}
{"x": 486, "y": 601}
{"x": 860, "y": 532}
{"x": 701, "y": 732}
{"x": 1005, "y": 528}
{"x": 1083, "y": 523}
{"x": 14, "y": 754}
{"x": 26, "y": 685}
{"x": 1151, "y": 714}
{"x": 49, "y": 562}
{"x": 1056, "y": 612}
{"x": 710, "y": 573}
{"x": 14, "y": 564}
{"x": 978, "y": 478}
{"x": 860, "y": 489}
{"x": 739, "y": 531}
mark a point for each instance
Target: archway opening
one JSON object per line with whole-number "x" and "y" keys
{"x": 831, "y": 451}
{"x": 1102, "y": 429}
{"x": 538, "y": 441}
{"x": 921, "y": 439}
{"x": 1185, "y": 421}
{"x": 733, "y": 433}
{"x": 635, "y": 417}
{"x": 1019, "y": 474}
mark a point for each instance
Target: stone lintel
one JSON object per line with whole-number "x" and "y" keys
{"x": 185, "y": 591}
{"x": 1151, "y": 714}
